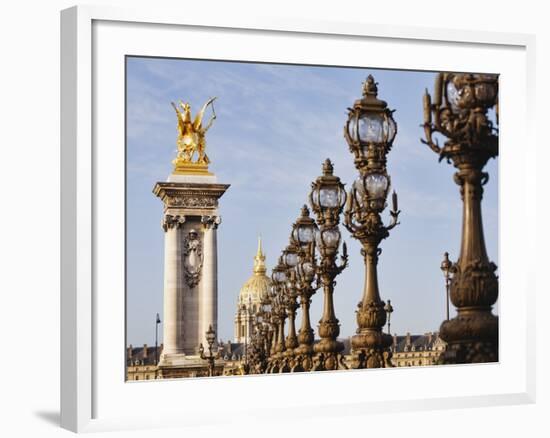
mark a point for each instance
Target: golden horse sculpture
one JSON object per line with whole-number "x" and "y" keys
{"x": 192, "y": 139}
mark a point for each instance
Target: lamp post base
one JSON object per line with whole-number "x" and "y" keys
{"x": 329, "y": 357}
{"x": 329, "y": 362}
{"x": 370, "y": 349}
{"x": 472, "y": 337}
{"x": 303, "y": 358}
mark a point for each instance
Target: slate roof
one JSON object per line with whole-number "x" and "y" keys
{"x": 415, "y": 342}
{"x": 138, "y": 356}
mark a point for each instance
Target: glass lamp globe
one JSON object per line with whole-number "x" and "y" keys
{"x": 304, "y": 233}
{"x": 486, "y": 90}
{"x": 308, "y": 271}
{"x": 303, "y": 230}
{"x": 372, "y": 127}
{"x": 328, "y": 195}
{"x": 279, "y": 276}
{"x": 376, "y": 185}
{"x": 329, "y": 238}
{"x": 291, "y": 258}
{"x": 359, "y": 189}
{"x": 453, "y": 96}
{"x": 471, "y": 91}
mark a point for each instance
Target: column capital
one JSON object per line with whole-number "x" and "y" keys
{"x": 211, "y": 222}
{"x": 170, "y": 221}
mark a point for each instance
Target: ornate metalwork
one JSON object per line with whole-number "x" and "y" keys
{"x": 290, "y": 303}
{"x": 460, "y": 113}
{"x": 370, "y": 128}
{"x": 370, "y": 131}
{"x": 278, "y": 315}
{"x": 388, "y": 308}
{"x": 211, "y": 357}
{"x": 304, "y": 230}
{"x": 448, "y": 270}
{"x": 258, "y": 349}
{"x": 327, "y": 201}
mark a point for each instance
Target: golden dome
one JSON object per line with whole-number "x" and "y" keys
{"x": 258, "y": 285}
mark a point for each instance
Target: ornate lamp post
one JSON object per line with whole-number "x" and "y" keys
{"x": 290, "y": 304}
{"x": 388, "y": 308}
{"x": 259, "y": 345}
{"x": 270, "y": 330}
{"x": 446, "y": 267}
{"x": 303, "y": 234}
{"x": 256, "y": 349}
{"x": 267, "y": 335}
{"x": 211, "y": 357}
{"x": 327, "y": 199}
{"x": 459, "y": 109}
{"x": 370, "y": 131}
{"x": 157, "y": 322}
{"x": 274, "y": 320}
{"x": 279, "y": 278}
{"x": 290, "y": 258}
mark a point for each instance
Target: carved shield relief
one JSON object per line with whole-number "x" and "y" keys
{"x": 192, "y": 258}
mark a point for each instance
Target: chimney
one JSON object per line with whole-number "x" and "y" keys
{"x": 430, "y": 338}
{"x": 408, "y": 339}
{"x": 129, "y": 353}
{"x": 395, "y": 339}
{"x": 145, "y": 351}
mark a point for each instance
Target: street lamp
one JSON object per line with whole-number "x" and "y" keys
{"x": 157, "y": 322}
{"x": 370, "y": 131}
{"x": 447, "y": 267}
{"x": 265, "y": 319}
{"x": 269, "y": 341}
{"x": 304, "y": 230}
{"x": 388, "y": 308}
{"x": 327, "y": 199}
{"x": 211, "y": 357}
{"x": 257, "y": 354}
{"x": 460, "y": 113}
{"x": 289, "y": 301}
{"x": 279, "y": 277}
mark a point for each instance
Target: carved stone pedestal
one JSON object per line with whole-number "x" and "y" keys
{"x": 189, "y": 222}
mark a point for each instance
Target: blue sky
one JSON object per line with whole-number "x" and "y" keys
{"x": 276, "y": 125}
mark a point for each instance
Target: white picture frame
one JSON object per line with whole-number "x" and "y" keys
{"x": 92, "y": 388}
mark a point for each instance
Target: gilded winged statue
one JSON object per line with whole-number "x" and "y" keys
{"x": 191, "y": 134}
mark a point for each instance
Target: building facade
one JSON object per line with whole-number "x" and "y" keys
{"x": 141, "y": 362}
{"x": 417, "y": 350}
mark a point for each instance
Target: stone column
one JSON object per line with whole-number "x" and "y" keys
{"x": 173, "y": 318}
{"x": 190, "y": 267}
{"x": 208, "y": 294}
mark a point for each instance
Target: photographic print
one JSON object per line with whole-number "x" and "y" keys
{"x": 296, "y": 218}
